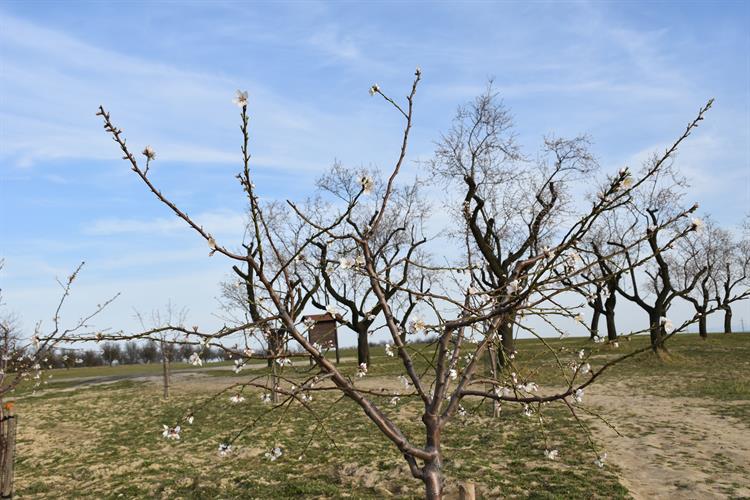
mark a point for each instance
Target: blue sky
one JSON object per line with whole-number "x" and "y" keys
{"x": 630, "y": 74}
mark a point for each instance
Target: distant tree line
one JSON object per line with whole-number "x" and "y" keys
{"x": 127, "y": 353}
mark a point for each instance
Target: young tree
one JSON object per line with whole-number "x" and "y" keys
{"x": 502, "y": 284}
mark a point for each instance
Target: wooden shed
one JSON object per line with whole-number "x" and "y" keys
{"x": 324, "y": 331}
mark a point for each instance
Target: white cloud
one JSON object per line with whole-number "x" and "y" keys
{"x": 221, "y": 222}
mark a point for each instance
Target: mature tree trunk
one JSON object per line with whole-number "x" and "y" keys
{"x": 727, "y": 319}
{"x": 363, "y": 345}
{"x": 609, "y": 313}
{"x": 656, "y": 331}
{"x": 702, "y": 330}
{"x": 595, "y": 322}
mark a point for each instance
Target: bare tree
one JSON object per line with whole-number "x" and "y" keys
{"x": 162, "y": 322}
{"x": 515, "y": 265}
{"x": 698, "y": 255}
{"x": 111, "y": 352}
{"x": 732, "y": 277}
{"x": 656, "y": 224}
{"x": 396, "y": 244}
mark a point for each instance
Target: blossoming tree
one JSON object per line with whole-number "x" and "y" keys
{"x": 522, "y": 236}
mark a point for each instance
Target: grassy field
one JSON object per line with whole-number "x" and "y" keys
{"x": 683, "y": 423}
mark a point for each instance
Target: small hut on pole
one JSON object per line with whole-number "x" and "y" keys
{"x": 324, "y": 332}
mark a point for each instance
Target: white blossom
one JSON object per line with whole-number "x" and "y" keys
{"x": 579, "y": 317}
{"x": 512, "y": 287}
{"x": 453, "y": 374}
{"x": 697, "y": 224}
{"x": 367, "y": 184}
{"x": 224, "y": 449}
{"x": 240, "y": 98}
{"x": 331, "y": 309}
{"x": 35, "y": 342}
{"x": 599, "y": 461}
{"x": 527, "y": 411}
{"x": 585, "y": 368}
{"x": 265, "y": 397}
{"x": 404, "y": 380}
{"x": 389, "y": 350}
{"x": 190, "y": 419}
{"x": 417, "y": 326}
{"x": 598, "y": 339}
{"x": 195, "y": 359}
{"x": 239, "y": 364}
{"x": 237, "y": 398}
{"x": 362, "y": 371}
{"x": 666, "y": 323}
{"x": 346, "y": 263}
{"x": 551, "y": 454}
{"x": 149, "y": 153}
{"x": 171, "y": 432}
{"x": 274, "y": 454}
{"x": 283, "y": 361}
{"x": 395, "y": 400}
{"x": 578, "y": 396}
{"x": 374, "y": 89}
{"x": 461, "y": 411}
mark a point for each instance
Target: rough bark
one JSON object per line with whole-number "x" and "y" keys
{"x": 727, "y": 319}
{"x": 363, "y": 346}
{"x": 656, "y": 331}
{"x": 609, "y": 313}
{"x": 595, "y": 322}
{"x": 702, "y": 330}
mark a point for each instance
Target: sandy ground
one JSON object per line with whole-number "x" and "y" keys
{"x": 672, "y": 447}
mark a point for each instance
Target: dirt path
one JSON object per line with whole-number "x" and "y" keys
{"x": 672, "y": 447}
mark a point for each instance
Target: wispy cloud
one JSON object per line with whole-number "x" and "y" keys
{"x": 224, "y": 222}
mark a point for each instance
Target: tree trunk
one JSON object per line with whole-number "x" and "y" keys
{"x": 363, "y": 347}
{"x": 702, "y": 330}
{"x": 609, "y": 313}
{"x": 656, "y": 331}
{"x": 595, "y": 322}
{"x": 432, "y": 476}
{"x": 506, "y": 336}
{"x": 727, "y": 319}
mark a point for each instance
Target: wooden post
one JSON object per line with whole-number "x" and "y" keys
{"x": 466, "y": 491}
{"x": 165, "y": 369}
{"x": 336, "y": 340}
{"x": 7, "y": 454}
